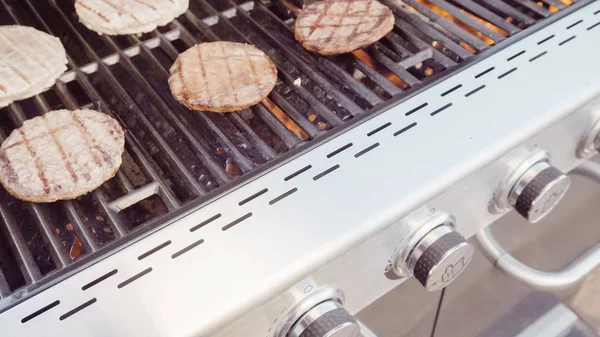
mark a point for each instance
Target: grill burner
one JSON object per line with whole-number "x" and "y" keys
{"x": 175, "y": 156}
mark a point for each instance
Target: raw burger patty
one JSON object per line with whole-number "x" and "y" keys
{"x": 119, "y": 17}
{"x": 222, "y": 76}
{"x": 61, "y": 155}
{"x": 30, "y": 62}
{"x": 341, "y": 26}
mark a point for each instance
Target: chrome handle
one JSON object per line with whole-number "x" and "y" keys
{"x": 538, "y": 279}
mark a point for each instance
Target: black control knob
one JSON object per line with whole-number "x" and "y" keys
{"x": 538, "y": 191}
{"x": 326, "y": 319}
{"x": 439, "y": 257}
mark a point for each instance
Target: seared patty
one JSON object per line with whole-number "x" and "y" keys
{"x": 222, "y": 76}
{"x": 341, "y": 26}
{"x": 119, "y": 17}
{"x": 30, "y": 62}
{"x": 61, "y": 155}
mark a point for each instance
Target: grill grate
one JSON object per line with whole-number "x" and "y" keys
{"x": 175, "y": 156}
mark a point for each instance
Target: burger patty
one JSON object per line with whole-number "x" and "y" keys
{"x": 61, "y": 155}
{"x": 120, "y": 17}
{"x": 222, "y": 76}
{"x": 30, "y": 62}
{"x": 341, "y": 26}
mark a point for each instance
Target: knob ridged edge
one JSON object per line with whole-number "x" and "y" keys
{"x": 434, "y": 253}
{"x": 328, "y": 322}
{"x": 534, "y": 188}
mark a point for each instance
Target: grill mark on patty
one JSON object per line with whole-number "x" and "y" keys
{"x": 255, "y": 78}
{"x": 178, "y": 70}
{"x": 145, "y": 4}
{"x": 100, "y": 15}
{"x": 135, "y": 18}
{"x": 318, "y": 22}
{"x": 88, "y": 138}
{"x": 61, "y": 128}
{"x": 63, "y": 155}
{"x": 21, "y": 51}
{"x": 229, "y": 79}
{"x": 38, "y": 163}
{"x": 114, "y": 6}
{"x": 203, "y": 71}
{"x": 353, "y": 35}
{"x": 19, "y": 73}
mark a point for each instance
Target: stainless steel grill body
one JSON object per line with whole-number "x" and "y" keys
{"x": 286, "y": 219}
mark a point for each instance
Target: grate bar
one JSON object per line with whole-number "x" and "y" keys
{"x": 307, "y": 69}
{"x": 532, "y": 6}
{"x": 376, "y": 77}
{"x": 396, "y": 68}
{"x": 294, "y": 114}
{"x": 64, "y": 94}
{"x": 510, "y": 11}
{"x": 29, "y": 269}
{"x": 488, "y": 15}
{"x": 462, "y": 16}
{"x": 555, "y": 3}
{"x": 4, "y": 288}
{"x": 419, "y": 26}
{"x": 357, "y": 62}
{"x": 84, "y": 235}
{"x": 42, "y": 221}
{"x": 242, "y": 160}
{"x": 290, "y": 140}
{"x": 288, "y": 79}
{"x": 412, "y": 37}
{"x": 326, "y": 65}
{"x": 129, "y": 102}
{"x": 440, "y": 20}
{"x": 266, "y": 151}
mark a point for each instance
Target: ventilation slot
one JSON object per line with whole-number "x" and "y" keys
{"x": 360, "y": 153}
{"x": 484, "y": 72}
{"x": 297, "y": 173}
{"x": 339, "y": 150}
{"x": 237, "y": 221}
{"x": 451, "y": 90}
{"x": 187, "y": 249}
{"x": 254, "y": 196}
{"x": 593, "y": 26}
{"x": 507, "y": 73}
{"x": 546, "y": 39}
{"x": 99, "y": 279}
{"x": 205, "y": 222}
{"x": 283, "y": 196}
{"x": 538, "y": 56}
{"x": 404, "y": 129}
{"x": 575, "y": 24}
{"x": 154, "y": 250}
{"x": 134, "y": 278}
{"x": 379, "y": 129}
{"x": 39, "y": 312}
{"x": 326, "y": 172}
{"x": 416, "y": 109}
{"x": 567, "y": 40}
{"x": 77, "y": 309}
{"x": 441, "y": 109}
{"x": 516, "y": 55}
{"x": 474, "y": 90}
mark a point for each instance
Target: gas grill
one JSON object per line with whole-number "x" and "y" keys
{"x": 212, "y": 215}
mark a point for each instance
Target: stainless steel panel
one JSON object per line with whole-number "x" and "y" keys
{"x": 486, "y": 302}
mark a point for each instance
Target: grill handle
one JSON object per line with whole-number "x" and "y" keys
{"x": 539, "y": 279}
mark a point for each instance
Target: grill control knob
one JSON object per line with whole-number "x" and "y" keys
{"x": 439, "y": 257}
{"x": 326, "y": 319}
{"x": 538, "y": 191}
